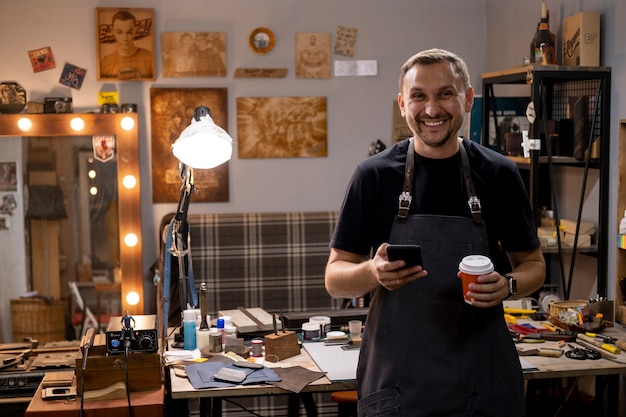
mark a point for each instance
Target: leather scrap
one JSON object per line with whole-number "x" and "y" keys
{"x": 295, "y": 378}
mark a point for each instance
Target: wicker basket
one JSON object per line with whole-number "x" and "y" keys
{"x": 556, "y": 307}
{"x": 37, "y": 319}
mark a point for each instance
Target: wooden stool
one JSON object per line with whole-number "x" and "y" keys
{"x": 346, "y": 402}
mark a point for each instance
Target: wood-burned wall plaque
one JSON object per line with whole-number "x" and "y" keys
{"x": 260, "y": 72}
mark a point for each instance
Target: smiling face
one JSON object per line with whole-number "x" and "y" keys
{"x": 433, "y": 101}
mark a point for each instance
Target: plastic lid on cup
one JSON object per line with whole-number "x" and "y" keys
{"x": 476, "y": 265}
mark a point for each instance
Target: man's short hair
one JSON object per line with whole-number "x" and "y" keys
{"x": 436, "y": 56}
{"x": 123, "y": 15}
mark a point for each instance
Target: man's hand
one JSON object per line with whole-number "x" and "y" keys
{"x": 490, "y": 291}
{"x": 393, "y": 275}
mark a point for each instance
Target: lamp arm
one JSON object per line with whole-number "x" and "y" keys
{"x": 186, "y": 175}
{"x": 180, "y": 233}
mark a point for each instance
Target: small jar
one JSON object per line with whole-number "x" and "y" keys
{"x": 109, "y": 108}
{"x": 230, "y": 332}
{"x": 215, "y": 340}
{"x": 257, "y": 348}
{"x": 310, "y": 331}
{"x": 129, "y": 108}
{"x": 324, "y": 324}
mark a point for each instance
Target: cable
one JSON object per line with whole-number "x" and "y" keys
{"x": 241, "y": 406}
{"x": 127, "y": 344}
{"x": 90, "y": 335}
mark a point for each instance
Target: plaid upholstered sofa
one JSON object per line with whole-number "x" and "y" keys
{"x": 274, "y": 261}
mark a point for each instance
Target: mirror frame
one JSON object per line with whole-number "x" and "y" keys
{"x": 127, "y": 164}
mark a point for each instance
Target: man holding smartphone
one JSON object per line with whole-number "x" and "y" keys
{"x": 425, "y": 351}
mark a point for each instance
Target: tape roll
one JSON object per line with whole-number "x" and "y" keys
{"x": 545, "y": 298}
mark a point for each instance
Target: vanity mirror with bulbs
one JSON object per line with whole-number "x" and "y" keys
{"x": 52, "y": 133}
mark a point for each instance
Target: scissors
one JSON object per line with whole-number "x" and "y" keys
{"x": 582, "y": 354}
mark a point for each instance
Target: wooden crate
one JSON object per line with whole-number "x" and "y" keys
{"x": 144, "y": 371}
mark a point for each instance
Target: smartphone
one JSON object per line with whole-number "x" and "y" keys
{"x": 411, "y": 254}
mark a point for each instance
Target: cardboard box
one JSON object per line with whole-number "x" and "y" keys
{"x": 585, "y": 228}
{"x": 581, "y": 39}
{"x": 547, "y": 236}
{"x": 584, "y": 241}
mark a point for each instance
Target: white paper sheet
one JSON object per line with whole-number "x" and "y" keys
{"x": 339, "y": 364}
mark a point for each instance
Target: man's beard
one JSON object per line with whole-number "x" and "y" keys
{"x": 450, "y": 134}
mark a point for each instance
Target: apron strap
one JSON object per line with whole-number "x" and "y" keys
{"x": 472, "y": 200}
{"x": 405, "y": 199}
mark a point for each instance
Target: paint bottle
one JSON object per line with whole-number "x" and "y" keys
{"x": 220, "y": 329}
{"x": 189, "y": 329}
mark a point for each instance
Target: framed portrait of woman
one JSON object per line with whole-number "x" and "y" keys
{"x": 125, "y": 44}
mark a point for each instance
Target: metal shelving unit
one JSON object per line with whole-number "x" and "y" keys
{"x": 550, "y": 87}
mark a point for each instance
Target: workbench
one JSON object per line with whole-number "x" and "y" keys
{"x": 607, "y": 373}
{"x": 607, "y": 376}
{"x": 144, "y": 404}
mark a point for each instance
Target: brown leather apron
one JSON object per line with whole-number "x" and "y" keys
{"x": 426, "y": 352}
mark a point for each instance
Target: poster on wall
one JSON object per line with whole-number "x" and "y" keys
{"x": 171, "y": 111}
{"x": 281, "y": 127}
{"x": 8, "y": 176}
{"x": 193, "y": 54}
{"x": 125, "y": 44}
{"x": 41, "y": 59}
{"x": 313, "y": 55}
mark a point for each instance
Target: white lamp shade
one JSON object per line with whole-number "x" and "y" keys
{"x": 203, "y": 145}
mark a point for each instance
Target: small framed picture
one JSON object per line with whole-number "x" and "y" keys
{"x": 262, "y": 40}
{"x": 8, "y": 176}
{"x": 313, "y": 55}
{"x": 193, "y": 54}
{"x": 125, "y": 44}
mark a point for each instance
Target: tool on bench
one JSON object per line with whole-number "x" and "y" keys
{"x": 600, "y": 352}
{"x": 546, "y": 352}
{"x": 608, "y": 339}
{"x": 601, "y": 345}
{"x": 582, "y": 353}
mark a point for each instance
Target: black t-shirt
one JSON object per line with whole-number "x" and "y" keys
{"x": 371, "y": 201}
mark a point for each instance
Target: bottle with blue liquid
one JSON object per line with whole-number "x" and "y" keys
{"x": 189, "y": 329}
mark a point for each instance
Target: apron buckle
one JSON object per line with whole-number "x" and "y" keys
{"x": 404, "y": 204}
{"x": 474, "y": 204}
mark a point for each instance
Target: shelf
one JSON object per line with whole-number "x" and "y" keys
{"x": 557, "y": 160}
{"x": 517, "y": 75}
{"x": 569, "y": 249}
{"x": 550, "y": 89}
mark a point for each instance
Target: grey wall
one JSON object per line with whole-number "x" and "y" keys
{"x": 490, "y": 34}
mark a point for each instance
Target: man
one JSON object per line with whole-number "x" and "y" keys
{"x": 426, "y": 352}
{"x": 128, "y": 61}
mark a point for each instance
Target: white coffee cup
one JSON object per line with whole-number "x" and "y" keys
{"x": 471, "y": 267}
